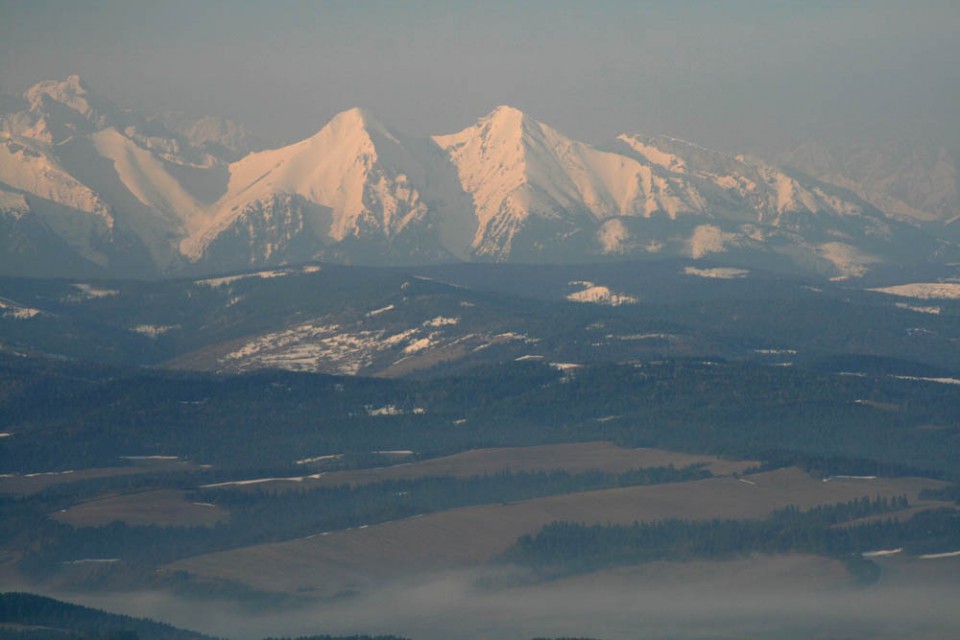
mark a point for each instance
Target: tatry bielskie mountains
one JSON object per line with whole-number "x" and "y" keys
{"x": 87, "y": 188}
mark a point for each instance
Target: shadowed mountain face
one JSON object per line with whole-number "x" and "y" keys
{"x": 908, "y": 180}
{"x": 87, "y": 185}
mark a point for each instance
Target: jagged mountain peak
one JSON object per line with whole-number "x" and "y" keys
{"x": 60, "y": 90}
{"x": 507, "y": 187}
{"x": 524, "y": 174}
{"x": 356, "y": 116}
{"x": 224, "y": 138}
{"x": 506, "y": 117}
{"x": 505, "y": 123}
{"x": 506, "y": 140}
{"x": 59, "y": 110}
{"x": 352, "y": 180}
{"x": 352, "y": 138}
{"x": 70, "y": 101}
{"x": 359, "y": 121}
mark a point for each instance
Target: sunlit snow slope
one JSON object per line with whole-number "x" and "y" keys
{"x": 91, "y": 186}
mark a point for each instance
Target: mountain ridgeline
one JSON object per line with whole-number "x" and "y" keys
{"x": 89, "y": 189}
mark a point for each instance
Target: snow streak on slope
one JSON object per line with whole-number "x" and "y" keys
{"x": 30, "y": 168}
{"x": 10, "y": 309}
{"x": 848, "y": 260}
{"x": 598, "y": 294}
{"x": 717, "y": 273}
{"x": 263, "y": 275}
{"x": 146, "y": 177}
{"x": 925, "y": 290}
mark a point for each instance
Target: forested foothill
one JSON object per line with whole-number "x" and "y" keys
{"x": 132, "y": 460}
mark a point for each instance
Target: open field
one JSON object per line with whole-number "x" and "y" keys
{"x": 166, "y": 507}
{"x": 36, "y": 482}
{"x": 573, "y": 458}
{"x": 333, "y": 562}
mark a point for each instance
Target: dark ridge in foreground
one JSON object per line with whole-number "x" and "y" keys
{"x": 28, "y": 616}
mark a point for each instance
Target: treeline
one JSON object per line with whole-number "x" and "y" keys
{"x": 950, "y": 493}
{"x": 58, "y": 634}
{"x": 263, "y": 516}
{"x": 357, "y": 637}
{"x": 826, "y": 466}
{"x": 565, "y": 547}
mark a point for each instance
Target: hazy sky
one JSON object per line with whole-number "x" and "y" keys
{"x": 738, "y": 75}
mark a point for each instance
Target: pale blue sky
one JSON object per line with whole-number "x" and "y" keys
{"x": 739, "y": 75}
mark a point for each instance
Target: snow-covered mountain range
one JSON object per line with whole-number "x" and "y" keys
{"x": 86, "y": 187}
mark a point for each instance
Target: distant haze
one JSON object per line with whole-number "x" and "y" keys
{"x": 662, "y": 600}
{"x": 739, "y": 75}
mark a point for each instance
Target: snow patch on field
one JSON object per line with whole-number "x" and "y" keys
{"x": 642, "y": 336}
{"x": 214, "y": 283}
{"x": 909, "y": 307}
{"x": 90, "y": 291}
{"x": 719, "y": 273}
{"x": 598, "y": 294}
{"x": 511, "y": 335}
{"x": 922, "y": 379}
{"x": 393, "y": 410}
{"x": 354, "y": 347}
{"x": 937, "y": 556}
{"x": 306, "y": 346}
{"x": 153, "y": 330}
{"x": 441, "y": 321}
{"x": 49, "y": 473}
{"x": 568, "y": 369}
{"x": 387, "y": 410}
{"x": 924, "y": 290}
{"x": 10, "y": 309}
{"x": 377, "y": 312}
{"x": 329, "y": 456}
{"x": 246, "y": 483}
{"x": 420, "y": 344}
